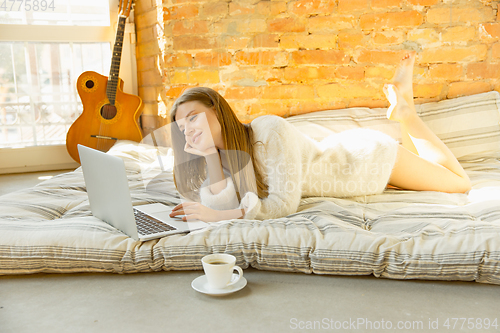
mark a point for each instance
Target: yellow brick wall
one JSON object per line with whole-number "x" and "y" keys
{"x": 288, "y": 57}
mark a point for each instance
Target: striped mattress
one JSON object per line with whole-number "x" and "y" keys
{"x": 398, "y": 234}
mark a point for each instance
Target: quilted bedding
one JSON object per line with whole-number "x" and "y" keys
{"x": 398, "y": 234}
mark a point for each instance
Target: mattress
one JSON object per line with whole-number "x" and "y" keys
{"x": 398, "y": 234}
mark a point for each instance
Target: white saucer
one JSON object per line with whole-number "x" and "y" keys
{"x": 200, "y": 284}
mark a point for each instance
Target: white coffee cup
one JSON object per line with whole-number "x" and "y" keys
{"x": 219, "y": 269}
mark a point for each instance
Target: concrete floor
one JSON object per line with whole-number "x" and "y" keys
{"x": 13, "y": 182}
{"x": 271, "y": 302}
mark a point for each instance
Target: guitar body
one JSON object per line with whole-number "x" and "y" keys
{"x": 101, "y": 124}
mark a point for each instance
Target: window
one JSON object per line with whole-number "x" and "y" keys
{"x": 38, "y": 98}
{"x": 44, "y": 46}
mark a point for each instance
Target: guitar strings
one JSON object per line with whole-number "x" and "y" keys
{"x": 103, "y": 136}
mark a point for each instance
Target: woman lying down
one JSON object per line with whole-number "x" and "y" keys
{"x": 287, "y": 165}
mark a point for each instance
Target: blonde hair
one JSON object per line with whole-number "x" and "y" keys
{"x": 190, "y": 173}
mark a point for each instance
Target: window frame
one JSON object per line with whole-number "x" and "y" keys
{"x": 56, "y": 157}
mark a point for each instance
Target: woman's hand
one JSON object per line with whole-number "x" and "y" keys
{"x": 209, "y": 151}
{"x": 195, "y": 211}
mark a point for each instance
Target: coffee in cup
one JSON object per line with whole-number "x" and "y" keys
{"x": 219, "y": 269}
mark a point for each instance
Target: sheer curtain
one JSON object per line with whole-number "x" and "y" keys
{"x": 44, "y": 46}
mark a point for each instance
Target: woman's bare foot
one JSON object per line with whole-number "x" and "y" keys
{"x": 400, "y": 92}
{"x": 403, "y": 78}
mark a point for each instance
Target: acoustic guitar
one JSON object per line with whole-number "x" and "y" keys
{"x": 108, "y": 114}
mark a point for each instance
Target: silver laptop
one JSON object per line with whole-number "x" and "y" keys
{"x": 110, "y": 201}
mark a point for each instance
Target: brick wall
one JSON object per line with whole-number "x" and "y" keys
{"x": 151, "y": 47}
{"x": 287, "y": 57}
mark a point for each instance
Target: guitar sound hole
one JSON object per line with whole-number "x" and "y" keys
{"x": 89, "y": 84}
{"x": 108, "y": 111}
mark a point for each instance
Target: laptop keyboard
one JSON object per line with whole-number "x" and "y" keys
{"x": 147, "y": 225}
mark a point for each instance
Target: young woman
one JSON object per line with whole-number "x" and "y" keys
{"x": 286, "y": 165}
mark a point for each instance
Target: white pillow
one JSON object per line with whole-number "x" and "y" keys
{"x": 469, "y": 126}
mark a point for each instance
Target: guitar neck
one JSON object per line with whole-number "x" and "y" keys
{"x": 115, "y": 61}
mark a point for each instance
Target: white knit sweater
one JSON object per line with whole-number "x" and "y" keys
{"x": 352, "y": 163}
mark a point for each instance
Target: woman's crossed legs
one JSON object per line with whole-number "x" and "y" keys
{"x": 424, "y": 163}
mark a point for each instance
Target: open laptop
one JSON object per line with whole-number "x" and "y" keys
{"x": 110, "y": 201}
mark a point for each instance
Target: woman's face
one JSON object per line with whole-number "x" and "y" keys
{"x": 199, "y": 125}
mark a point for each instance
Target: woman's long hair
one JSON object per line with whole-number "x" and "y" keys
{"x": 189, "y": 173}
